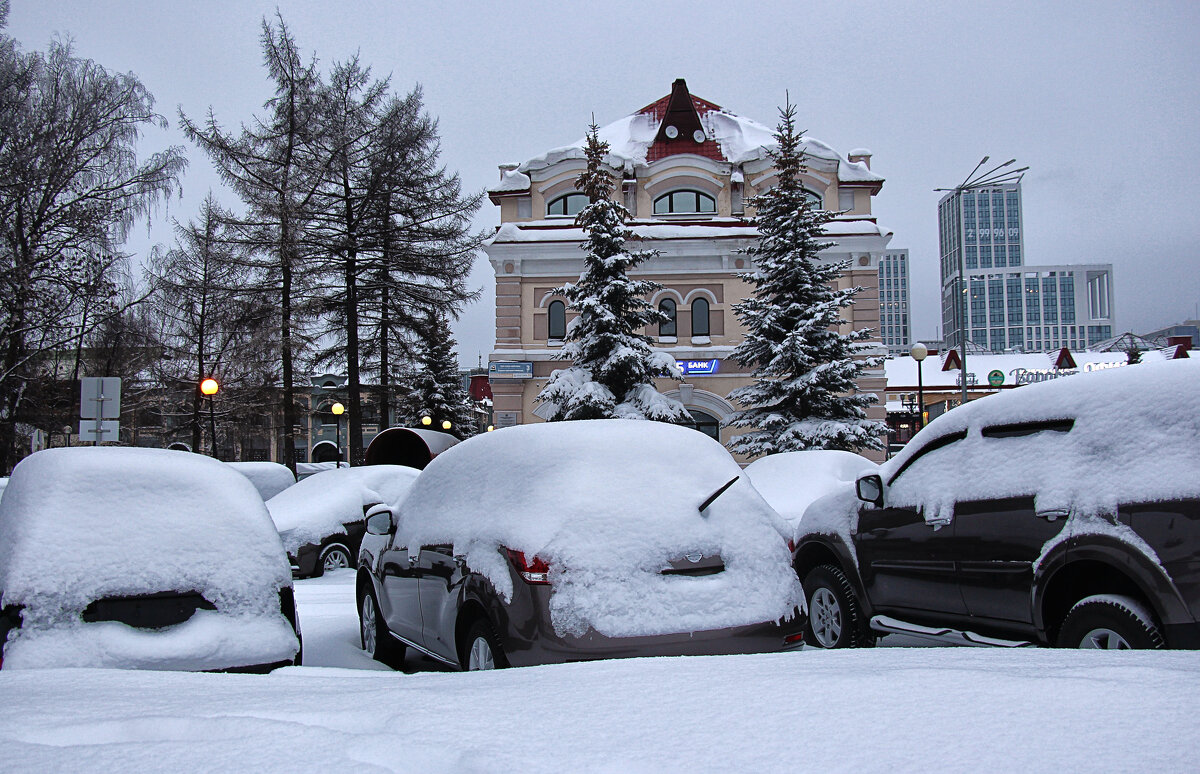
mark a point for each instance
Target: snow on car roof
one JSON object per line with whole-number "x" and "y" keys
{"x": 79, "y": 524}
{"x": 323, "y": 503}
{"x": 609, "y": 503}
{"x": 269, "y": 478}
{"x": 1133, "y": 439}
{"x": 791, "y": 481}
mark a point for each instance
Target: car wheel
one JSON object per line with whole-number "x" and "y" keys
{"x": 373, "y": 633}
{"x": 335, "y": 556}
{"x": 1110, "y": 622}
{"x": 835, "y": 619}
{"x": 481, "y": 649}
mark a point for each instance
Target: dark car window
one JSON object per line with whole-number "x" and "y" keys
{"x": 1017, "y": 429}
{"x": 934, "y": 445}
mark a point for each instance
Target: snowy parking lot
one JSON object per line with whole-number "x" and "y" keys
{"x": 882, "y": 709}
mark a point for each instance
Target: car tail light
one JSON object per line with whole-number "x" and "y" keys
{"x": 794, "y": 639}
{"x": 534, "y": 572}
{"x": 791, "y": 545}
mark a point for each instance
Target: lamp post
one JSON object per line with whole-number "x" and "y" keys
{"x": 446, "y": 424}
{"x": 209, "y": 387}
{"x": 919, "y": 352}
{"x": 426, "y": 420}
{"x": 338, "y": 409}
{"x": 997, "y": 175}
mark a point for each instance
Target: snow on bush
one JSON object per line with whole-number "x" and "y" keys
{"x": 82, "y": 524}
{"x": 322, "y": 504}
{"x": 609, "y": 504}
{"x": 269, "y": 478}
{"x": 791, "y": 481}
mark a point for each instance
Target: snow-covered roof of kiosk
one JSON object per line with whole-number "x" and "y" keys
{"x": 609, "y": 503}
{"x": 635, "y": 140}
{"x": 82, "y": 524}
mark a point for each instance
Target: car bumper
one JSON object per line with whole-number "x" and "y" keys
{"x": 304, "y": 562}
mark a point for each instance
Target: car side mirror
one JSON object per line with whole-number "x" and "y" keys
{"x": 870, "y": 489}
{"x": 381, "y": 522}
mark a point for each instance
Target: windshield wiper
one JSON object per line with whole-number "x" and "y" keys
{"x": 704, "y": 505}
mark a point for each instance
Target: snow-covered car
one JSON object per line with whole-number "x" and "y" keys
{"x": 567, "y": 541}
{"x": 143, "y": 559}
{"x": 320, "y": 519}
{"x": 1062, "y": 513}
{"x": 791, "y": 481}
{"x": 269, "y": 478}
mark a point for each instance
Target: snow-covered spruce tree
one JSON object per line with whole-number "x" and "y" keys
{"x": 438, "y": 391}
{"x": 803, "y": 396}
{"x": 613, "y": 364}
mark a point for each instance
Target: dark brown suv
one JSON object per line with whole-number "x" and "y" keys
{"x": 1064, "y": 513}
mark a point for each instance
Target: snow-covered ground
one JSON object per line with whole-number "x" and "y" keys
{"x": 886, "y": 709}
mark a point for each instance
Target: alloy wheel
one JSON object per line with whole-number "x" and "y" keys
{"x": 368, "y": 624}
{"x": 480, "y": 656}
{"x": 826, "y": 615}
{"x": 1104, "y": 639}
{"x": 335, "y": 559}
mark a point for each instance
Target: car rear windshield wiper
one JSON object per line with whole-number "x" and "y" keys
{"x": 717, "y": 494}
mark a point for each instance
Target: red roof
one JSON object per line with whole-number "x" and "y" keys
{"x": 660, "y": 150}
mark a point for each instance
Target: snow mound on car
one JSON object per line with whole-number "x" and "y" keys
{"x": 269, "y": 478}
{"x": 322, "y": 504}
{"x": 609, "y": 504}
{"x": 82, "y": 524}
{"x": 1134, "y": 439}
{"x": 791, "y": 481}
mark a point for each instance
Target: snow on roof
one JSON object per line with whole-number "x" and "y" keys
{"x": 609, "y": 503}
{"x": 82, "y": 524}
{"x": 791, "y": 481}
{"x": 739, "y": 139}
{"x": 1018, "y": 368}
{"x": 558, "y": 231}
{"x": 511, "y": 180}
{"x": 322, "y": 504}
{"x": 1133, "y": 440}
{"x": 269, "y": 478}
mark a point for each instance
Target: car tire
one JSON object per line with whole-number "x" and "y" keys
{"x": 1110, "y": 622}
{"x": 835, "y": 618}
{"x": 335, "y": 556}
{"x": 373, "y": 633}
{"x": 480, "y": 649}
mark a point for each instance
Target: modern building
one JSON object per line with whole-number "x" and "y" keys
{"x": 895, "y": 319}
{"x": 1004, "y": 304}
{"x": 687, "y": 170}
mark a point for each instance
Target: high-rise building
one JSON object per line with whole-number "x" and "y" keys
{"x": 895, "y": 320}
{"x": 1004, "y": 304}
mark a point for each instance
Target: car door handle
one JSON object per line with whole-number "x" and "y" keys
{"x": 1054, "y": 514}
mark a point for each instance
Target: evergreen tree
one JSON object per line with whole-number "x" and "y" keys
{"x": 439, "y": 392}
{"x": 614, "y": 364}
{"x": 803, "y": 396}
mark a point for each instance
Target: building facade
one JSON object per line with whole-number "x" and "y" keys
{"x": 687, "y": 170}
{"x": 895, "y": 319}
{"x": 1004, "y": 304}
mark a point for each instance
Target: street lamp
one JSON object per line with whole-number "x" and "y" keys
{"x": 919, "y": 352}
{"x": 209, "y": 387}
{"x": 997, "y": 175}
{"x": 427, "y": 421}
{"x": 445, "y": 424}
{"x": 338, "y": 409}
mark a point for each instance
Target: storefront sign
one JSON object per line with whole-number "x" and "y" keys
{"x": 510, "y": 369}
{"x": 1032, "y": 375}
{"x": 995, "y": 378}
{"x": 698, "y": 367}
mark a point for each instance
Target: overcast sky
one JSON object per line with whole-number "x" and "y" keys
{"x": 1099, "y": 99}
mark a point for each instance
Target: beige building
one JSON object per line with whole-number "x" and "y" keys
{"x": 686, "y": 170}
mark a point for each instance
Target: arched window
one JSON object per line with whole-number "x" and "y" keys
{"x": 685, "y": 203}
{"x": 570, "y": 204}
{"x": 813, "y": 197}
{"x": 700, "y": 317}
{"x": 706, "y": 423}
{"x": 667, "y": 307}
{"x": 558, "y": 321}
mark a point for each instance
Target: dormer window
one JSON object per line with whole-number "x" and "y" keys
{"x": 567, "y": 206}
{"x": 685, "y": 203}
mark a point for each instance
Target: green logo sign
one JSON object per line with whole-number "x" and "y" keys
{"x": 996, "y": 378}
